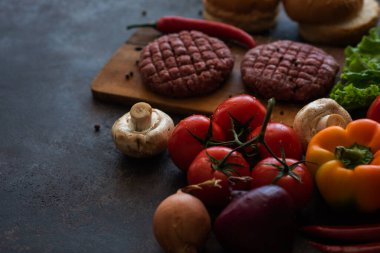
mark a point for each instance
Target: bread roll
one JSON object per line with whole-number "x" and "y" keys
{"x": 348, "y": 32}
{"x": 321, "y": 11}
{"x": 250, "y": 15}
{"x": 244, "y": 6}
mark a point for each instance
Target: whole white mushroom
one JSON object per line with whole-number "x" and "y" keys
{"x": 143, "y": 131}
{"x": 317, "y": 115}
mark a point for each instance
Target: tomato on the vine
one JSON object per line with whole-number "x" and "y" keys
{"x": 374, "y": 110}
{"x": 208, "y": 165}
{"x": 246, "y": 111}
{"x": 279, "y": 136}
{"x": 294, "y": 177}
{"x": 189, "y": 137}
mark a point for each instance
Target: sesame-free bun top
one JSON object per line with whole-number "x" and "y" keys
{"x": 321, "y": 11}
{"x": 244, "y": 6}
{"x": 347, "y": 32}
{"x": 250, "y": 15}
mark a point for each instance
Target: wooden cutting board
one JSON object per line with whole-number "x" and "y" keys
{"x": 119, "y": 81}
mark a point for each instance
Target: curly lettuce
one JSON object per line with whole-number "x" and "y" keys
{"x": 359, "y": 82}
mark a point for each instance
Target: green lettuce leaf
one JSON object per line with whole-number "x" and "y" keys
{"x": 360, "y": 79}
{"x": 352, "y": 97}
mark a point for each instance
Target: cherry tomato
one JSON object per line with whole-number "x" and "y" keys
{"x": 245, "y": 109}
{"x": 189, "y": 137}
{"x": 279, "y": 135}
{"x": 206, "y": 166}
{"x": 374, "y": 110}
{"x": 296, "y": 180}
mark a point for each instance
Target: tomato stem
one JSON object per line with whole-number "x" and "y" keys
{"x": 270, "y": 106}
{"x": 282, "y": 161}
{"x": 207, "y": 141}
{"x": 259, "y": 137}
{"x": 284, "y": 168}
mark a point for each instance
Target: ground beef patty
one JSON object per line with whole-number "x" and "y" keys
{"x": 185, "y": 64}
{"x": 288, "y": 71}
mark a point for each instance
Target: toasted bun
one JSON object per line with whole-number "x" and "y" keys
{"x": 346, "y": 32}
{"x": 321, "y": 11}
{"x": 253, "y": 18}
{"x": 244, "y": 6}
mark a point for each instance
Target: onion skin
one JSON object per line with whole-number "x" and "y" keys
{"x": 260, "y": 221}
{"x": 181, "y": 223}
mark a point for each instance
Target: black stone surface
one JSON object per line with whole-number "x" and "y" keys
{"x": 64, "y": 187}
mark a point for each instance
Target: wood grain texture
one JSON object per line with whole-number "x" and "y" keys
{"x": 111, "y": 83}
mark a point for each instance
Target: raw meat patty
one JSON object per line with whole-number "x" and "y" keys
{"x": 288, "y": 71}
{"x": 185, "y": 64}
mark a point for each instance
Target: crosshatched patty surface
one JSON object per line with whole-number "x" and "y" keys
{"x": 289, "y": 71}
{"x": 185, "y": 64}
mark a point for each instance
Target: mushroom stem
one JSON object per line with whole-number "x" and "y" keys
{"x": 330, "y": 120}
{"x": 141, "y": 115}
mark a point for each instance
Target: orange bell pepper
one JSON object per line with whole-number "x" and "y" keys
{"x": 346, "y": 164}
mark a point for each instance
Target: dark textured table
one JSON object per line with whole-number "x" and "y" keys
{"x": 63, "y": 185}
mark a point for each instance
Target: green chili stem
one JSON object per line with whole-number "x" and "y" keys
{"x": 152, "y": 25}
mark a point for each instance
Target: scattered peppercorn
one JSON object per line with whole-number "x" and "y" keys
{"x": 143, "y": 13}
{"x": 200, "y": 12}
{"x": 97, "y": 127}
{"x": 129, "y": 75}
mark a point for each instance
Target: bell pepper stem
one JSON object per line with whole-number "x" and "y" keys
{"x": 354, "y": 155}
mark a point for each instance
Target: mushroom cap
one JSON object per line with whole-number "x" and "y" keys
{"x": 319, "y": 114}
{"x": 142, "y": 143}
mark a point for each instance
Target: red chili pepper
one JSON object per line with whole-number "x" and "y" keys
{"x": 357, "y": 248}
{"x": 173, "y": 24}
{"x": 358, "y": 233}
{"x": 374, "y": 110}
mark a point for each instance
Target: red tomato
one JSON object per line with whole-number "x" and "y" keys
{"x": 266, "y": 171}
{"x": 246, "y": 109}
{"x": 279, "y": 135}
{"x": 183, "y": 146}
{"x": 374, "y": 110}
{"x": 206, "y": 167}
